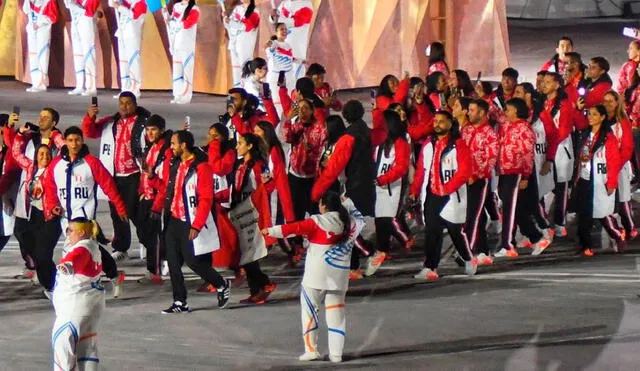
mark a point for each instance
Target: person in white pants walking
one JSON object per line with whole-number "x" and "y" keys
{"x": 41, "y": 14}
{"x": 130, "y": 17}
{"x": 83, "y": 39}
{"x": 78, "y": 299}
{"x": 182, "y": 25}
{"x": 296, "y": 15}
{"x": 242, "y": 27}
{"x": 332, "y": 235}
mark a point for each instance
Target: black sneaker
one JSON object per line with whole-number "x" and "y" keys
{"x": 177, "y": 307}
{"x": 224, "y": 293}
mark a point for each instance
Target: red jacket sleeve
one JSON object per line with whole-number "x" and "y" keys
{"x": 305, "y": 227}
{"x": 614, "y": 163}
{"x": 272, "y": 113}
{"x": 9, "y": 135}
{"x": 204, "y": 191}
{"x": 220, "y": 165}
{"x": 281, "y": 183}
{"x": 158, "y": 203}
{"x": 302, "y": 17}
{"x": 17, "y": 152}
{"x": 551, "y": 134}
{"x": 379, "y": 129}
{"x": 596, "y": 96}
{"x": 78, "y": 257}
{"x": 285, "y": 101}
{"x": 140, "y": 9}
{"x": 400, "y": 165}
{"x": 51, "y": 11}
{"x": 529, "y": 143}
{"x": 546, "y": 66}
{"x": 402, "y": 92}
{"x": 336, "y": 164}
{"x": 626, "y": 145}
{"x": 92, "y": 128}
{"x": 50, "y": 199}
{"x": 107, "y": 184}
{"x": 420, "y": 123}
{"x": 418, "y": 177}
{"x": 463, "y": 156}
{"x": 90, "y": 7}
{"x": 580, "y": 121}
{"x": 192, "y": 18}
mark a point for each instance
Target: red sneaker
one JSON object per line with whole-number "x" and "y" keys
{"x": 588, "y": 252}
{"x": 410, "y": 244}
{"x": 207, "y": 287}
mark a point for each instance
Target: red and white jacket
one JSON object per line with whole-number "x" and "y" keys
{"x": 626, "y": 75}
{"x": 182, "y": 31}
{"x": 439, "y": 66}
{"x": 239, "y": 125}
{"x": 550, "y": 65}
{"x": 307, "y": 144}
{"x": 558, "y": 127}
{"x": 158, "y": 154}
{"x": 295, "y": 13}
{"x": 280, "y": 184}
{"x": 76, "y": 192}
{"x": 221, "y": 167}
{"x": 624, "y": 134}
{"x": 517, "y": 143}
{"x": 482, "y": 141}
{"x": 420, "y": 123}
{"x": 40, "y": 12}
{"x": 82, "y": 8}
{"x": 238, "y": 23}
{"x": 596, "y": 91}
{"x": 325, "y": 91}
{"x": 391, "y": 169}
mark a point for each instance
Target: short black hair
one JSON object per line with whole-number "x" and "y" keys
{"x": 241, "y": 91}
{"x": 447, "y": 114}
{"x": 574, "y": 56}
{"x": 602, "y": 63}
{"x": 566, "y": 38}
{"x": 156, "y": 121}
{"x": 4, "y": 119}
{"x": 128, "y": 94}
{"x": 482, "y": 104}
{"x": 316, "y": 69}
{"x": 55, "y": 116}
{"x": 521, "y": 107}
{"x": 185, "y": 137}
{"x": 511, "y": 72}
{"x": 353, "y": 111}
{"x": 71, "y": 130}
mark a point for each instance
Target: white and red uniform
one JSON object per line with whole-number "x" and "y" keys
{"x": 130, "y": 15}
{"x": 78, "y": 299}
{"x": 558, "y": 124}
{"x": 439, "y": 66}
{"x": 326, "y": 272}
{"x": 555, "y": 64}
{"x": 182, "y": 41}
{"x": 73, "y": 185}
{"x": 83, "y": 39}
{"x": 297, "y": 15}
{"x": 243, "y": 34}
{"x": 626, "y": 76}
{"x": 278, "y": 187}
{"x": 623, "y": 133}
{"x": 280, "y": 59}
{"x": 391, "y": 170}
{"x": 41, "y": 14}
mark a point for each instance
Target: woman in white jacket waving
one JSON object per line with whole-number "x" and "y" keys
{"x": 331, "y": 237}
{"x": 182, "y": 25}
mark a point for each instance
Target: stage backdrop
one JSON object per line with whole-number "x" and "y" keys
{"x": 358, "y": 41}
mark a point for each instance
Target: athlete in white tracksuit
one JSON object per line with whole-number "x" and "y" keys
{"x": 83, "y": 35}
{"x": 78, "y": 299}
{"x": 296, "y": 14}
{"x": 130, "y": 17}
{"x": 41, "y": 14}
{"x": 182, "y": 25}
{"x": 326, "y": 271}
{"x": 280, "y": 59}
{"x": 242, "y": 26}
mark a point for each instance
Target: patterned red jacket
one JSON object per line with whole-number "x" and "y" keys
{"x": 626, "y": 76}
{"x": 516, "y": 141}
{"x": 307, "y": 144}
{"x": 482, "y": 141}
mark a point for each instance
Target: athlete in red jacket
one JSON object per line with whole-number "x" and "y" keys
{"x": 598, "y": 83}
{"x": 392, "y": 91}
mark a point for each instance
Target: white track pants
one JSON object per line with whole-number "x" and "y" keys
{"x": 130, "y": 58}
{"x": 310, "y": 300}
{"x": 183, "y": 67}
{"x": 242, "y": 51}
{"x": 75, "y": 341}
{"x": 83, "y": 37}
{"x": 39, "y": 43}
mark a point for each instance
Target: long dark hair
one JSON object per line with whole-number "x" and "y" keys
{"x": 464, "y": 82}
{"x": 335, "y": 129}
{"x": 383, "y": 89}
{"x": 437, "y": 54}
{"x": 226, "y": 144}
{"x": 307, "y": 89}
{"x": 270, "y": 138}
{"x": 605, "y": 127}
{"x": 190, "y": 6}
{"x": 432, "y": 82}
{"x": 250, "y": 9}
{"x": 251, "y": 66}
{"x": 536, "y": 99}
{"x": 561, "y": 94}
{"x": 332, "y": 202}
{"x": 257, "y": 147}
{"x": 395, "y": 129}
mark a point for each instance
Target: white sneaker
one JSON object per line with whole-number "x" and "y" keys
{"x": 76, "y": 91}
{"x": 502, "y": 253}
{"x": 119, "y": 256}
{"x": 90, "y": 93}
{"x": 335, "y": 359}
{"x": 471, "y": 267}
{"x": 495, "y": 227}
{"x": 540, "y": 246}
{"x": 548, "y": 234}
{"x": 374, "y": 262}
{"x": 427, "y": 274}
{"x": 183, "y": 101}
{"x": 143, "y": 252}
{"x": 35, "y": 89}
{"x": 484, "y": 259}
{"x": 48, "y": 294}
{"x": 309, "y": 356}
{"x": 164, "y": 270}
{"x": 173, "y": 101}
{"x": 560, "y": 231}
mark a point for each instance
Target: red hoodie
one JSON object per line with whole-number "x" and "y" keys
{"x": 517, "y": 142}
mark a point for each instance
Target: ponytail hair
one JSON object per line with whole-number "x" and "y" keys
{"x": 250, "y": 9}
{"x": 91, "y": 228}
{"x": 251, "y": 66}
{"x": 331, "y": 200}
